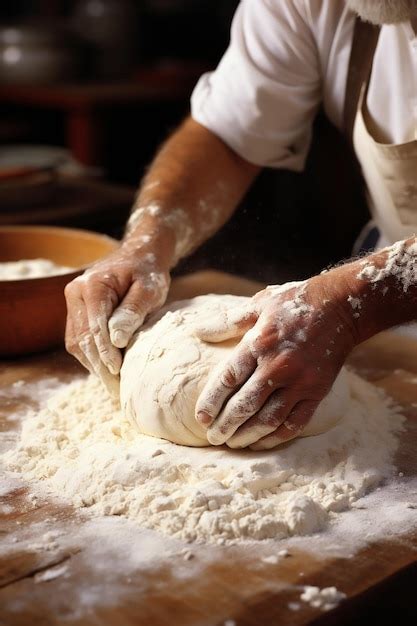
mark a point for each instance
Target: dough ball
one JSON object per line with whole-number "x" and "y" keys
{"x": 166, "y": 367}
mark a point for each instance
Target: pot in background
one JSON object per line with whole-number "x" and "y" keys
{"x": 37, "y": 54}
{"x": 110, "y": 28}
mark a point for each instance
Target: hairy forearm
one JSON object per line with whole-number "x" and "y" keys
{"x": 378, "y": 291}
{"x": 192, "y": 188}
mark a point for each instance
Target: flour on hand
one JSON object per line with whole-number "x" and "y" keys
{"x": 166, "y": 367}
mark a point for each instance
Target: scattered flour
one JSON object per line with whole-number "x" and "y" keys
{"x": 51, "y": 574}
{"x": 80, "y": 447}
{"x": 325, "y": 599}
{"x": 355, "y": 303}
{"x": 271, "y": 559}
{"x": 31, "y": 268}
{"x": 400, "y": 264}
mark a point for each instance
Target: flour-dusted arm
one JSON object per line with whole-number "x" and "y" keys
{"x": 190, "y": 191}
{"x": 294, "y": 341}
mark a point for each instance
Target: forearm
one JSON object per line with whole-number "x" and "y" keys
{"x": 378, "y": 291}
{"x": 192, "y": 188}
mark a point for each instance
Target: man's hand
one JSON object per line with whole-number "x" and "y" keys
{"x": 294, "y": 342}
{"x": 107, "y": 304}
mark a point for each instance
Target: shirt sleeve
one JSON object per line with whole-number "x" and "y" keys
{"x": 263, "y": 96}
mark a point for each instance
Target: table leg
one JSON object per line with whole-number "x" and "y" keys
{"x": 84, "y": 136}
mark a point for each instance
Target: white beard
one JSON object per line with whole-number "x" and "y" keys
{"x": 384, "y": 11}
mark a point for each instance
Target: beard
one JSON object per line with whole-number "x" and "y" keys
{"x": 384, "y": 11}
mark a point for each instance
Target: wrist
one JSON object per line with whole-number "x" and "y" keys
{"x": 339, "y": 294}
{"x": 363, "y": 307}
{"x": 153, "y": 242}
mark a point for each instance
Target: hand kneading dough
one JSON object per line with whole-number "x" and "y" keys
{"x": 166, "y": 367}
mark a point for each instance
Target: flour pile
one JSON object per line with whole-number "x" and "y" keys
{"x": 81, "y": 448}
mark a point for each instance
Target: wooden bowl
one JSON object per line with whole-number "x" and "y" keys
{"x": 33, "y": 311}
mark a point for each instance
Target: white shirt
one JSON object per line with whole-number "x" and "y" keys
{"x": 286, "y": 57}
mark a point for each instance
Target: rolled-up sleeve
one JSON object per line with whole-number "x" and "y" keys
{"x": 263, "y": 96}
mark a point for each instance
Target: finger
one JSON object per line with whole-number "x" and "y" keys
{"x": 89, "y": 348}
{"x": 223, "y": 382}
{"x": 270, "y": 417}
{"x": 242, "y": 406}
{"x": 80, "y": 342}
{"x": 129, "y": 315}
{"x": 100, "y": 304}
{"x": 291, "y": 428}
{"x": 229, "y": 324}
{"x": 77, "y": 325}
{"x": 111, "y": 383}
{"x": 73, "y": 347}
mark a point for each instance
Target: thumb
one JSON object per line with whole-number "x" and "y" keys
{"x": 128, "y": 317}
{"x": 228, "y": 325}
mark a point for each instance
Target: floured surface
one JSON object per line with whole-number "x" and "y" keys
{"x": 105, "y": 569}
{"x": 81, "y": 448}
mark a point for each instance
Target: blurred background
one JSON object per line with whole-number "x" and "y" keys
{"x": 90, "y": 88}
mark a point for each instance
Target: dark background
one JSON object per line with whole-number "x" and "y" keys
{"x": 290, "y": 226}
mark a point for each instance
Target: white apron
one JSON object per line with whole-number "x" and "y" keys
{"x": 390, "y": 172}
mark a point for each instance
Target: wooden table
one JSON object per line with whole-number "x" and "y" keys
{"x": 379, "y": 579}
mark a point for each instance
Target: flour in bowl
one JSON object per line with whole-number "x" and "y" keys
{"x": 31, "y": 268}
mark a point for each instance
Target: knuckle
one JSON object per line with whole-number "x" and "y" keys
{"x": 293, "y": 426}
{"x": 271, "y": 419}
{"x": 71, "y": 346}
{"x": 248, "y": 404}
{"x": 103, "y": 347}
{"x": 291, "y": 360}
{"x": 94, "y": 328}
{"x": 228, "y": 378}
{"x": 150, "y": 291}
{"x": 284, "y": 366}
{"x": 272, "y": 415}
{"x": 96, "y": 284}
{"x": 84, "y": 342}
{"x": 70, "y": 289}
{"x": 265, "y": 341}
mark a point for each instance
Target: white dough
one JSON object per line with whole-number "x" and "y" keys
{"x": 166, "y": 367}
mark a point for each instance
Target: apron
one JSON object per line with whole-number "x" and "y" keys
{"x": 390, "y": 172}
